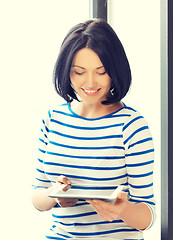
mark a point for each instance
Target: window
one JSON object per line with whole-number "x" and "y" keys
{"x": 32, "y": 32}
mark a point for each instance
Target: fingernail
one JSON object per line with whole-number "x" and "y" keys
{"x": 68, "y": 181}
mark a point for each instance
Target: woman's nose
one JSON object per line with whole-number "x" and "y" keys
{"x": 90, "y": 80}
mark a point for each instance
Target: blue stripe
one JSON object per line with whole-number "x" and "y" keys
{"x": 93, "y": 188}
{"x": 133, "y": 120}
{"x": 135, "y": 132}
{"x": 60, "y": 234}
{"x": 85, "y": 157}
{"x": 104, "y": 232}
{"x": 75, "y": 215}
{"x": 43, "y": 133}
{"x": 46, "y": 128}
{"x": 144, "y": 197}
{"x": 89, "y": 224}
{"x": 118, "y": 115}
{"x": 86, "y": 128}
{"x": 141, "y": 186}
{"x": 86, "y": 138}
{"x": 64, "y": 113}
{"x": 140, "y": 153}
{"x": 130, "y": 108}
{"x": 83, "y": 177}
{"x": 41, "y": 150}
{"x": 139, "y": 201}
{"x": 41, "y": 140}
{"x": 35, "y": 187}
{"x": 139, "y": 164}
{"x": 49, "y": 113}
{"x": 55, "y": 238}
{"x": 50, "y": 237}
{"x": 41, "y": 180}
{"x": 87, "y": 148}
{"x": 141, "y": 141}
{"x": 81, "y": 167}
{"x": 114, "y": 114}
{"x": 140, "y": 175}
{"x": 83, "y": 203}
{"x": 45, "y": 136}
{"x": 74, "y": 116}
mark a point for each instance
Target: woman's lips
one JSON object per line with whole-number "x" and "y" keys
{"x": 90, "y": 92}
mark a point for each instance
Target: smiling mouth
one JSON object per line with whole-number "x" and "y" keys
{"x": 90, "y": 92}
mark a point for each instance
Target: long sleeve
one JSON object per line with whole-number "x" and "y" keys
{"x": 41, "y": 180}
{"x": 139, "y": 158}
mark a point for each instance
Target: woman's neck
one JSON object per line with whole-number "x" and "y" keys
{"x": 94, "y": 111}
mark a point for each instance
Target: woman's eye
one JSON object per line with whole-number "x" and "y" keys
{"x": 101, "y": 73}
{"x": 78, "y": 73}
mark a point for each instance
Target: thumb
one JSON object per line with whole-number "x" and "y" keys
{"x": 122, "y": 195}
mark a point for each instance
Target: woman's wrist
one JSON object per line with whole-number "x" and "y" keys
{"x": 136, "y": 215}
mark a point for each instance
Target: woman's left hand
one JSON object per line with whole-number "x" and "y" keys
{"x": 110, "y": 211}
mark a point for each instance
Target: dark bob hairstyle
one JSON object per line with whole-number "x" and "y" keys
{"x": 98, "y": 36}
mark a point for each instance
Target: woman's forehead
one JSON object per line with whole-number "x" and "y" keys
{"x": 87, "y": 58}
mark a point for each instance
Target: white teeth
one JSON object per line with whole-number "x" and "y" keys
{"x": 89, "y": 91}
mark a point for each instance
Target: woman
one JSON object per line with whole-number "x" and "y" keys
{"x": 95, "y": 141}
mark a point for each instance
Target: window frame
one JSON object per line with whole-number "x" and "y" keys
{"x": 98, "y": 9}
{"x": 166, "y": 119}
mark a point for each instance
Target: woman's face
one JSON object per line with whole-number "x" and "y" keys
{"x": 89, "y": 78}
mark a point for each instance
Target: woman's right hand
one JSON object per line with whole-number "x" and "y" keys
{"x": 65, "y": 202}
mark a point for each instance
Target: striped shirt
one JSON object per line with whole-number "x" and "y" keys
{"x": 116, "y": 149}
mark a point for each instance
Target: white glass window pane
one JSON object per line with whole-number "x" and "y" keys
{"x": 31, "y": 34}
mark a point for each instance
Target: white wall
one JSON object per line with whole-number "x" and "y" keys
{"x": 137, "y": 23}
{"x": 31, "y": 34}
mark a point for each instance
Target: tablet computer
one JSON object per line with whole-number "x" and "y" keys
{"x": 85, "y": 194}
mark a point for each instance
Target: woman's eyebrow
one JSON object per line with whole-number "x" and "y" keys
{"x": 78, "y": 66}
{"x": 84, "y": 68}
{"x": 100, "y": 67}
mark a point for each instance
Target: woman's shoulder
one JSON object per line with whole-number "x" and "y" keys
{"x": 133, "y": 116}
{"x": 130, "y": 112}
{"x": 59, "y": 110}
{"x": 135, "y": 119}
{"x": 56, "y": 109}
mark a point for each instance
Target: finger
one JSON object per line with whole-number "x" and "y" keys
{"x": 92, "y": 202}
{"x": 66, "y": 202}
{"x": 64, "y": 205}
{"x": 98, "y": 204}
{"x": 63, "y": 179}
{"x": 66, "y": 188}
{"x": 122, "y": 195}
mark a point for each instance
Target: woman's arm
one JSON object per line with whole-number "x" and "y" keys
{"x": 135, "y": 215}
{"x": 42, "y": 201}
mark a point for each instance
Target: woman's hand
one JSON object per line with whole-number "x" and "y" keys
{"x": 135, "y": 215}
{"x": 65, "y": 202}
{"x": 110, "y": 211}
